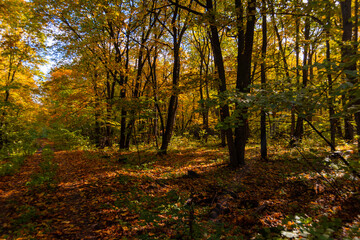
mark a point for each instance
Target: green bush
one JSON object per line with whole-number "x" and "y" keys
{"x": 19, "y": 144}
{"x": 67, "y": 140}
{"x": 46, "y": 176}
{"x": 47, "y": 153}
{"x": 11, "y": 165}
{"x": 20, "y": 140}
{"x": 306, "y": 227}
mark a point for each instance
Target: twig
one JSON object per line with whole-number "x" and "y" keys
{"x": 333, "y": 149}
{"x": 314, "y": 168}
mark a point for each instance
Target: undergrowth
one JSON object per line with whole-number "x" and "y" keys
{"x": 46, "y": 176}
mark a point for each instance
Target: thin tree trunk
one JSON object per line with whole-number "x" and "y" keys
{"x": 283, "y": 58}
{"x": 177, "y": 33}
{"x": 263, "y": 82}
{"x": 123, "y": 81}
{"x": 297, "y": 57}
{"x": 97, "y": 112}
{"x": 203, "y": 74}
{"x": 173, "y": 103}
{"x": 299, "y": 130}
{"x": 330, "y": 82}
{"x": 140, "y": 64}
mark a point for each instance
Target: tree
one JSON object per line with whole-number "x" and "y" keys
{"x": 347, "y": 58}
{"x": 245, "y": 48}
{"x": 21, "y": 43}
{"x": 177, "y": 30}
{"x": 263, "y": 149}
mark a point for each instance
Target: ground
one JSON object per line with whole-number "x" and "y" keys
{"x": 190, "y": 193}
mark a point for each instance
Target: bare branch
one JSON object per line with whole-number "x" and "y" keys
{"x": 186, "y": 8}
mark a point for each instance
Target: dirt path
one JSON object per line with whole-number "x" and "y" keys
{"x": 69, "y": 211}
{"x": 85, "y": 186}
{"x": 81, "y": 203}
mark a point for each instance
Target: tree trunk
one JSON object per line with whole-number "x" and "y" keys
{"x": 219, "y": 64}
{"x": 173, "y": 103}
{"x": 263, "y": 144}
{"x": 299, "y": 130}
{"x": 155, "y": 93}
{"x": 123, "y": 81}
{"x": 203, "y": 78}
{"x": 136, "y": 91}
{"x": 243, "y": 81}
{"x": 347, "y": 51}
{"x": 177, "y": 33}
{"x": 297, "y": 57}
{"x": 356, "y": 43}
{"x": 97, "y": 116}
{"x": 330, "y": 82}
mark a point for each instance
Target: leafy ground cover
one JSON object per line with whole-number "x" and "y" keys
{"x": 188, "y": 194}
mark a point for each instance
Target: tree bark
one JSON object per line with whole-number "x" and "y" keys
{"x": 263, "y": 144}
{"x": 177, "y": 34}
{"x": 299, "y": 130}
{"x": 356, "y": 43}
{"x": 332, "y": 120}
{"x": 219, "y": 63}
{"x": 243, "y": 81}
{"x": 347, "y": 52}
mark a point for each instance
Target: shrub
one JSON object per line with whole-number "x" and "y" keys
{"x": 67, "y": 140}
{"x": 46, "y": 176}
{"x": 11, "y": 165}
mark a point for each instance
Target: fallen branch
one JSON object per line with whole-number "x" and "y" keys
{"x": 333, "y": 149}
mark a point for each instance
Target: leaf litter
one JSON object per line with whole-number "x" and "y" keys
{"x": 188, "y": 194}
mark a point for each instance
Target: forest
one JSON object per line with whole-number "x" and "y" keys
{"x": 179, "y": 119}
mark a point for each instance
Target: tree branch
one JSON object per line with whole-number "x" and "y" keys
{"x": 333, "y": 149}
{"x": 187, "y": 8}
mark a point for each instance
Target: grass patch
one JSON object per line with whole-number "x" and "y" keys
{"x": 11, "y": 165}
{"x": 46, "y": 176}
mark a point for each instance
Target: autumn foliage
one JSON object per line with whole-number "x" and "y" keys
{"x": 179, "y": 119}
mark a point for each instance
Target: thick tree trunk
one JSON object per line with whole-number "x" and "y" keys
{"x": 173, "y": 104}
{"x": 356, "y": 43}
{"x": 347, "y": 51}
{"x": 219, "y": 63}
{"x": 3, "y": 140}
{"x": 348, "y": 127}
{"x": 243, "y": 81}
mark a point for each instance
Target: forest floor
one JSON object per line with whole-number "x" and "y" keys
{"x": 187, "y": 194}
